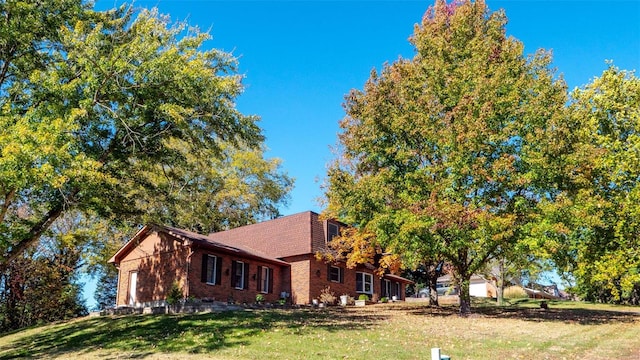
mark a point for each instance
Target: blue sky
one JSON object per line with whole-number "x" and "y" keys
{"x": 300, "y": 58}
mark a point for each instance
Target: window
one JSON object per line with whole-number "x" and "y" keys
{"x": 336, "y": 274}
{"x": 211, "y": 269}
{"x": 364, "y": 283}
{"x": 265, "y": 279}
{"x": 332, "y": 231}
{"x": 239, "y": 275}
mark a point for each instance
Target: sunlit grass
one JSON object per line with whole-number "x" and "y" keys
{"x": 399, "y": 331}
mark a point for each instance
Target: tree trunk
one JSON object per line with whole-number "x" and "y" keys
{"x": 500, "y": 293}
{"x": 433, "y": 290}
{"x": 500, "y": 284}
{"x": 38, "y": 229}
{"x": 33, "y": 235}
{"x": 635, "y": 295}
{"x": 465, "y": 297}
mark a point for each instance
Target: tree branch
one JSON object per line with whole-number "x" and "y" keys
{"x": 40, "y": 227}
{"x": 33, "y": 235}
{"x": 8, "y": 199}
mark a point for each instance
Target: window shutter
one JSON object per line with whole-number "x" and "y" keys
{"x": 259, "y": 284}
{"x": 203, "y": 275}
{"x": 246, "y": 276}
{"x": 270, "y": 281}
{"x": 218, "y": 270}
{"x": 341, "y": 275}
{"x": 233, "y": 274}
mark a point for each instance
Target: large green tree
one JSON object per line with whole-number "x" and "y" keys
{"x": 29, "y": 40}
{"x": 592, "y": 229}
{"x": 235, "y": 186}
{"x": 440, "y": 153}
{"x": 121, "y": 115}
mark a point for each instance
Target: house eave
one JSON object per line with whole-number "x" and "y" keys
{"x": 129, "y": 245}
{"x": 228, "y": 250}
{"x": 398, "y": 279}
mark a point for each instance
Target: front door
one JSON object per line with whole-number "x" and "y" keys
{"x": 386, "y": 288}
{"x": 133, "y": 284}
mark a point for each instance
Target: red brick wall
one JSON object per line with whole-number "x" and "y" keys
{"x": 225, "y": 290}
{"x": 300, "y": 276}
{"x": 159, "y": 261}
{"x": 318, "y": 233}
{"x": 310, "y": 276}
{"x": 318, "y": 278}
{"x": 348, "y": 286}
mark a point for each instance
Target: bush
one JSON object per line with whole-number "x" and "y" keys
{"x": 364, "y": 297}
{"x": 514, "y": 292}
{"x": 351, "y": 300}
{"x": 175, "y": 294}
{"x": 327, "y": 296}
{"x": 384, "y": 299}
{"x": 259, "y": 298}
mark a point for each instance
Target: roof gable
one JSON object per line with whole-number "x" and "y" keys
{"x": 192, "y": 239}
{"x": 131, "y": 244}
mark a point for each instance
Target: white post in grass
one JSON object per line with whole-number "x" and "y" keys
{"x": 435, "y": 353}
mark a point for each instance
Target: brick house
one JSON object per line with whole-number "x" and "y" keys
{"x": 270, "y": 258}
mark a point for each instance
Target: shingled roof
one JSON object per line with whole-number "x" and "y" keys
{"x": 195, "y": 240}
{"x": 285, "y": 236}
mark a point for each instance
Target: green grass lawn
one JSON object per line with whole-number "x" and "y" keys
{"x": 391, "y": 331}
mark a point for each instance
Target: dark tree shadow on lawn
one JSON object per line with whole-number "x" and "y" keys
{"x": 139, "y": 336}
{"x": 564, "y": 314}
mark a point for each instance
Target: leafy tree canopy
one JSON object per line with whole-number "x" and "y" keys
{"x": 591, "y": 231}
{"x": 122, "y": 116}
{"x": 440, "y": 154}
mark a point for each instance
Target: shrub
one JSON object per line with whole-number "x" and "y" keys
{"x": 191, "y": 300}
{"x": 384, "y": 299}
{"x": 364, "y": 297}
{"x": 351, "y": 300}
{"x": 327, "y": 296}
{"x": 175, "y": 294}
{"x": 514, "y": 292}
{"x": 259, "y": 298}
